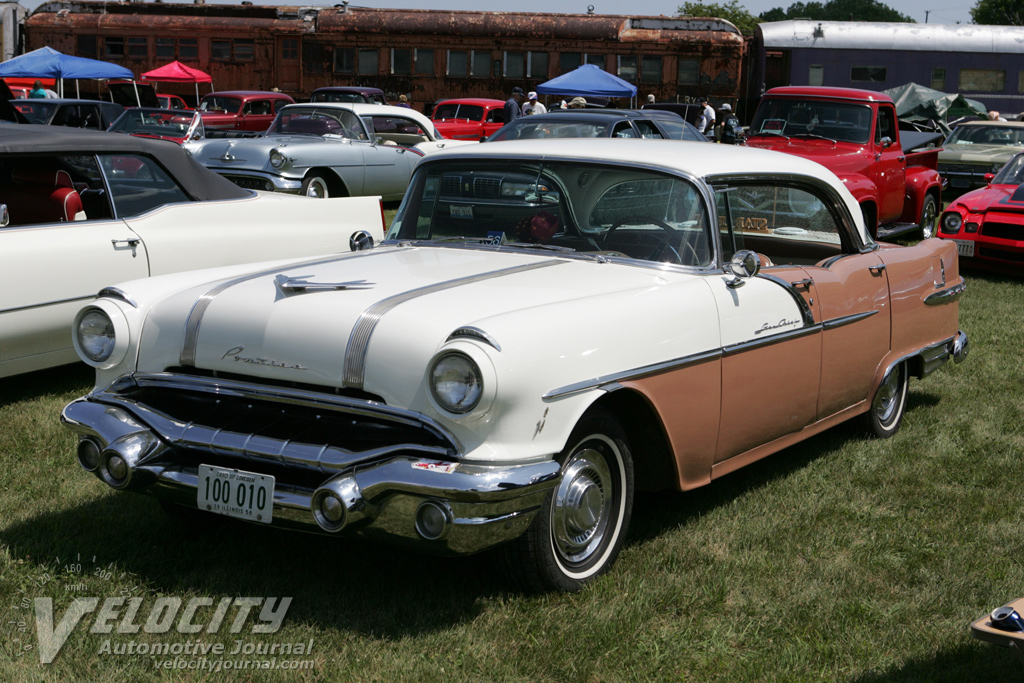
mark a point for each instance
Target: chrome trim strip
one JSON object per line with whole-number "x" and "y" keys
{"x": 88, "y": 297}
{"x": 847, "y": 319}
{"x": 733, "y": 349}
{"x": 829, "y": 262}
{"x": 805, "y": 311}
{"x": 119, "y": 294}
{"x": 359, "y": 339}
{"x": 634, "y": 373}
{"x": 946, "y": 296}
{"x": 195, "y": 316}
{"x": 474, "y": 333}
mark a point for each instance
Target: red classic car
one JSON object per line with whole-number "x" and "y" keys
{"x": 988, "y": 224}
{"x": 472, "y": 118}
{"x": 171, "y": 101}
{"x": 177, "y": 125}
{"x": 241, "y": 109}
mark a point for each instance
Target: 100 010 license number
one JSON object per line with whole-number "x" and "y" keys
{"x": 245, "y": 495}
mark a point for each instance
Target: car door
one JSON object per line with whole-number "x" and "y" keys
{"x": 55, "y": 267}
{"x": 786, "y": 367}
{"x": 388, "y": 167}
{"x": 257, "y": 115}
{"x": 890, "y": 168}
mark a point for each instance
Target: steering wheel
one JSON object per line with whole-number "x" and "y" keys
{"x": 663, "y": 251}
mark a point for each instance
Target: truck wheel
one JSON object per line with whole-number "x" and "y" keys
{"x": 889, "y": 404}
{"x": 579, "y": 531}
{"x": 315, "y": 186}
{"x": 929, "y": 212}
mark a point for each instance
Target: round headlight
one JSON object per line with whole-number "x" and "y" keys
{"x": 456, "y": 383}
{"x": 96, "y": 337}
{"x": 277, "y": 159}
{"x": 951, "y": 223}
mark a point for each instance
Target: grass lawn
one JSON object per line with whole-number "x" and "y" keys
{"x": 841, "y": 559}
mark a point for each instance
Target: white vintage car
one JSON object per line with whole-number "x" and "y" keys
{"x": 549, "y": 326}
{"x": 80, "y": 210}
{"x": 327, "y": 149}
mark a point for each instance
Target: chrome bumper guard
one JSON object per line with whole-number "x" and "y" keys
{"x": 440, "y": 506}
{"x": 249, "y": 179}
{"x": 934, "y": 357}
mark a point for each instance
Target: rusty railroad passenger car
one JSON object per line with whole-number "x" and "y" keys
{"x": 425, "y": 54}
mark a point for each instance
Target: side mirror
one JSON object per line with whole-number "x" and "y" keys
{"x": 744, "y": 264}
{"x": 886, "y": 142}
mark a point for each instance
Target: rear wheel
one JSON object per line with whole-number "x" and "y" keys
{"x": 578, "y": 533}
{"x": 315, "y": 186}
{"x": 889, "y": 404}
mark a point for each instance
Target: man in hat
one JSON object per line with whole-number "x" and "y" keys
{"x": 577, "y": 103}
{"x": 533, "y": 106}
{"x": 709, "y": 116}
{"x": 731, "y": 131}
{"x": 512, "y": 110}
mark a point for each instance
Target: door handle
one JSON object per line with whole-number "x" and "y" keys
{"x": 803, "y": 284}
{"x": 130, "y": 242}
{"x": 877, "y": 270}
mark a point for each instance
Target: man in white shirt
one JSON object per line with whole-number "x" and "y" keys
{"x": 533, "y": 106}
{"x": 709, "y": 116}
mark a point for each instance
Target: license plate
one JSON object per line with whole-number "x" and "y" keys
{"x": 965, "y": 247}
{"x": 461, "y": 211}
{"x": 959, "y": 182}
{"x": 245, "y": 495}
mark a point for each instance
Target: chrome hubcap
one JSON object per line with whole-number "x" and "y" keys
{"x": 928, "y": 221}
{"x": 317, "y": 189}
{"x": 886, "y": 399}
{"x": 582, "y": 506}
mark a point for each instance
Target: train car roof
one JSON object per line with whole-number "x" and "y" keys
{"x": 895, "y": 36}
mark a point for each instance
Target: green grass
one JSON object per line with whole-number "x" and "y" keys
{"x": 840, "y": 559}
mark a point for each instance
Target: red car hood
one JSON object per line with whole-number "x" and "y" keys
{"x": 1002, "y": 198}
{"x": 838, "y": 157}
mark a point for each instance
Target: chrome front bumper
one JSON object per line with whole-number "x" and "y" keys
{"x": 468, "y": 507}
{"x": 259, "y": 180}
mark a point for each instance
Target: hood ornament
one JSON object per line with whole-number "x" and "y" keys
{"x": 227, "y": 157}
{"x": 299, "y": 283}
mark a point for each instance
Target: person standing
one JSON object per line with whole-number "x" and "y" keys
{"x": 37, "y": 91}
{"x": 403, "y": 101}
{"x": 709, "y": 116}
{"x": 533, "y": 106}
{"x": 731, "y": 132}
{"x": 512, "y": 109}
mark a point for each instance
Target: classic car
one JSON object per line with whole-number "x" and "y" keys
{"x": 548, "y": 327}
{"x": 600, "y": 123}
{"x": 80, "y": 210}
{"x": 977, "y": 148}
{"x": 72, "y": 113}
{"x": 177, "y": 125}
{"x": 472, "y": 118}
{"x": 172, "y": 101}
{"x": 251, "y": 110}
{"x": 348, "y": 93}
{"x": 987, "y": 225}
{"x": 327, "y": 149}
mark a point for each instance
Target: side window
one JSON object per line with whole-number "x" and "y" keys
{"x": 138, "y": 184}
{"x": 788, "y": 225}
{"x": 258, "y": 107}
{"x": 886, "y": 125}
{"x": 496, "y": 116}
{"x": 647, "y": 130}
{"x": 623, "y": 129}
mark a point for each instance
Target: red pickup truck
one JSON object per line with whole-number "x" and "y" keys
{"x": 855, "y": 134}
{"x": 251, "y": 110}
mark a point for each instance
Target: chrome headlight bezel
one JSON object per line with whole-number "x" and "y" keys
{"x": 277, "y": 159}
{"x": 477, "y": 369}
{"x": 951, "y": 222}
{"x": 100, "y": 334}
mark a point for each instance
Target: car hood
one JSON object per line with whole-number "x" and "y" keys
{"x": 980, "y": 154}
{"x": 838, "y": 157}
{"x": 252, "y": 152}
{"x": 373, "y": 320}
{"x": 991, "y": 198}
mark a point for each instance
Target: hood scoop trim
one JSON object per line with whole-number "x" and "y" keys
{"x": 298, "y": 284}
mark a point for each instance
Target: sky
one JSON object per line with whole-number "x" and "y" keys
{"x": 938, "y": 11}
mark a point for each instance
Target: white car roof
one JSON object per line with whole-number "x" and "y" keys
{"x": 368, "y": 109}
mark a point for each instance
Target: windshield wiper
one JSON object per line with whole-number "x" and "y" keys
{"x": 813, "y": 136}
{"x": 768, "y": 132}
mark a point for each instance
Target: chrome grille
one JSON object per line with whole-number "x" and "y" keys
{"x": 451, "y": 185}
{"x": 487, "y": 187}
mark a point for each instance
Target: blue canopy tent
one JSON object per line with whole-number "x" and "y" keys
{"x": 588, "y": 80}
{"x": 49, "y": 63}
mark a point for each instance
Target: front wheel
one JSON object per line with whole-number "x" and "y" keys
{"x": 315, "y": 186}
{"x": 578, "y": 533}
{"x": 929, "y": 212}
{"x": 889, "y": 404}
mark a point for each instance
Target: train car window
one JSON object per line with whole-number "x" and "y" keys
{"x": 344, "y": 60}
{"x": 401, "y": 61}
{"x": 368, "y": 61}
{"x": 537, "y": 64}
{"x": 650, "y": 69}
{"x": 480, "y": 64}
{"x": 458, "y": 64}
{"x": 188, "y": 48}
{"x": 244, "y": 49}
{"x": 688, "y": 71}
{"x": 515, "y": 65}
{"x": 424, "y": 62}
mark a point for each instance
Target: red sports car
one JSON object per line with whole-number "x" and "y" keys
{"x": 988, "y": 223}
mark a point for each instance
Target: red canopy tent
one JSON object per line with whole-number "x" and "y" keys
{"x": 176, "y": 72}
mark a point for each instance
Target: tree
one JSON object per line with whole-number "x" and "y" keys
{"x": 730, "y": 11}
{"x": 998, "y": 12}
{"x": 842, "y": 10}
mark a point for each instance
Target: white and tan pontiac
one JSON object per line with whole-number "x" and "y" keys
{"x": 550, "y": 325}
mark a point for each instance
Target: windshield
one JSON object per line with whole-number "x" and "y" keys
{"x": 335, "y": 96}
{"x": 578, "y": 206}
{"x": 1012, "y": 173}
{"x": 165, "y": 123}
{"x": 837, "y": 121}
{"x": 36, "y": 112}
{"x": 318, "y": 121}
{"x": 228, "y": 105}
{"x": 987, "y": 135}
